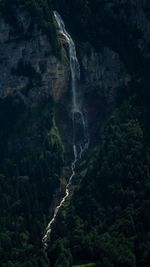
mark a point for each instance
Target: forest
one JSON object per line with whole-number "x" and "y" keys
{"x": 106, "y": 221}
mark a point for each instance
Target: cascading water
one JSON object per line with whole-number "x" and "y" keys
{"x": 80, "y": 133}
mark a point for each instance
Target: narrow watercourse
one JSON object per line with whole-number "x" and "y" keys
{"x": 80, "y": 144}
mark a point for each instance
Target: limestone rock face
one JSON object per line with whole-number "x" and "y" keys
{"x": 27, "y": 62}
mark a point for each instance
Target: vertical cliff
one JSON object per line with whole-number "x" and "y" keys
{"x": 106, "y": 219}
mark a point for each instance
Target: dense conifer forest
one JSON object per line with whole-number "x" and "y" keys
{"x": 106, "y": 220}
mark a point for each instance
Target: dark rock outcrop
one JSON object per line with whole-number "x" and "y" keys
{"x": 27, "y": 61}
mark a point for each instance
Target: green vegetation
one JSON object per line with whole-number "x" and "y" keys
{"x": 106, "y": 23}
{"x": 107, "y": 219}
{"x": 40, "y": 12}
{"x": 31, "y": 162}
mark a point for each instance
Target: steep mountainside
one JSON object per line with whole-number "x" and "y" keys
{"x": 106, "y": 219}
{"x": 32, "y": 80}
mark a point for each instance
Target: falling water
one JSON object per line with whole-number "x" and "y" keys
{"x": 80, "y": 133}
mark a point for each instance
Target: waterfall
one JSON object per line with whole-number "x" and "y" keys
{"x": 74, "y": 64}
{"x": 80, "y": 133}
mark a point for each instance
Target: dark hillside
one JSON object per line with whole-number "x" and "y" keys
{"x": 106, "y": 219}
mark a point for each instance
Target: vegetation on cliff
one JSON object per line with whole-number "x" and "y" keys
{"x": 31, "y": 163}
{"x": 40, "y": 12}
{"x": 106, "y": 222}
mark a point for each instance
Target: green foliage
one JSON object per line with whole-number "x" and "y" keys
{"x": 30, "y": 165}
{"x": 107, "y": 220}
{"x": 106, "y": 23}
{"x": 108, "y": 217}
{"x": 40, "y": 12}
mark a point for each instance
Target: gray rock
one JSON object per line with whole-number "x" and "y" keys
{"x": 28, "y": 58}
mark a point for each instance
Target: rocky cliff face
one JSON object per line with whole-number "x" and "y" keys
{"x": 35, "y": 100}
{"x": 27, "y": 60}
{"x": 29, "y": 69}
{"x": 103, "y": 77}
